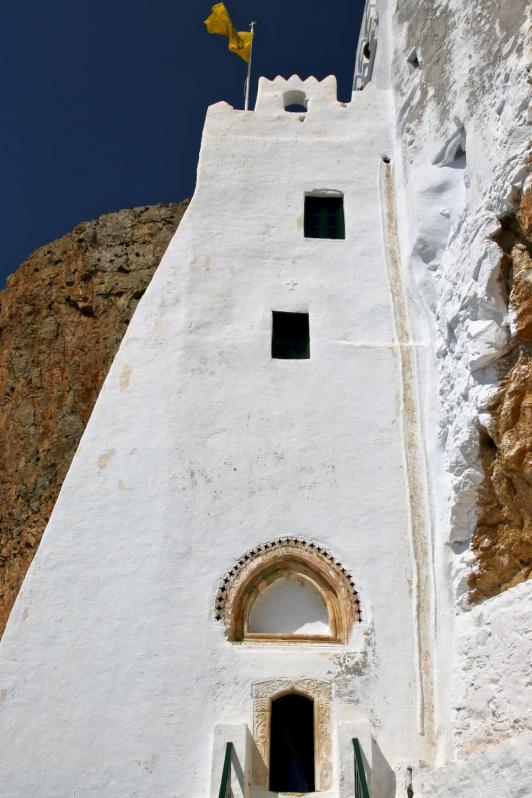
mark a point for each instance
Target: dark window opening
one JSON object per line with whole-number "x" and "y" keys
{"x": 290, "y": 336}
{"x": 292, "y": 744}
{"x": 324, "y": 217}
{"x": 296, "y": 108}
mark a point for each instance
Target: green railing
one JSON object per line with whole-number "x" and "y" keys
{"x": 361, "y": 784}
{"x": 225, "y": 784}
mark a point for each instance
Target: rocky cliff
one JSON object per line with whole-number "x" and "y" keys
{"x": 62, "y": 317}
{"x": 502, "y": 540}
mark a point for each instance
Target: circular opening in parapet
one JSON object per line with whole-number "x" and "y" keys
{"x": 295, "y": 101}
{"x": 386, "y": 159}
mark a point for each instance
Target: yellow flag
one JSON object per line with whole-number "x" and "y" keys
{"x": 219, "y": 21}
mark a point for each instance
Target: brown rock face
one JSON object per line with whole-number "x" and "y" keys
{"x": 62, "y": 317}
{"x": 502, "y": 540}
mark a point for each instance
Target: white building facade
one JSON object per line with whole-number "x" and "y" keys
{"x": 249, "y": 517}
{"x": 204, "y": 447}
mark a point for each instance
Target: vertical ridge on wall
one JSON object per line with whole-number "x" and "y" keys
{"x": 422, "y": 587}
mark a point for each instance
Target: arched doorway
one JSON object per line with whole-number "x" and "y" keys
{"x": 292, "y": 744}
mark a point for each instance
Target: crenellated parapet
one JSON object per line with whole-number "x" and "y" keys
{"x": 280, "y": 93}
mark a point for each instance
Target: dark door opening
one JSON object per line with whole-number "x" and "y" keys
{"x": 292, "y": 744}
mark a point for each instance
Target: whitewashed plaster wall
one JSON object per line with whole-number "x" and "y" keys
{"x": 459, "y": 74}
{"x": 499, "y": 771}
{"x": 113, "y": 672}
{"x": 493, "y": 673}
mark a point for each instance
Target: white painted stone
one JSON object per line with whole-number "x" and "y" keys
{"x": 492, "y": 675}
{"x": 504, "y": 771}
{"x": 487, "y": 342}
{"x": 113, "y": 642}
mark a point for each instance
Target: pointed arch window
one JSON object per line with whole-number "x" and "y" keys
{"x": 288, "y": 591}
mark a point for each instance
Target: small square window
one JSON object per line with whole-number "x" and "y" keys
{"x": 290, "y": 336}
{"x": 324, "y": 217}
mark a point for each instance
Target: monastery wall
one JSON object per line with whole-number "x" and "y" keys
{"x": 202, "y": 447}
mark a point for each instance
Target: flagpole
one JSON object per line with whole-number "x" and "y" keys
{"x": 248, "y": 79}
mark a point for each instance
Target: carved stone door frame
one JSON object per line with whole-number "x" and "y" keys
{"x": 264, "y": 693}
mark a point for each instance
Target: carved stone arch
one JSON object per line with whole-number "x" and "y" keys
{"x": 264, "y": 693}
{"x": 293, "y": 558}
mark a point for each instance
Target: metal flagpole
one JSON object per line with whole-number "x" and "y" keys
{"x": 248, "y": 79}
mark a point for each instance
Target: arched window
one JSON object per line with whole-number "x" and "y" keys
{"x": 292, "y": 744}
{"x": 289, "y": 590}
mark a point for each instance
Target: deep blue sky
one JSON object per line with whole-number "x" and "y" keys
{"x": 103, "y": 101}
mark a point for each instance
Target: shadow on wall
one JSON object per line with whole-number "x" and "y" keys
{"x": 238, "y": 771}
{"x": 383, "y": 781}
